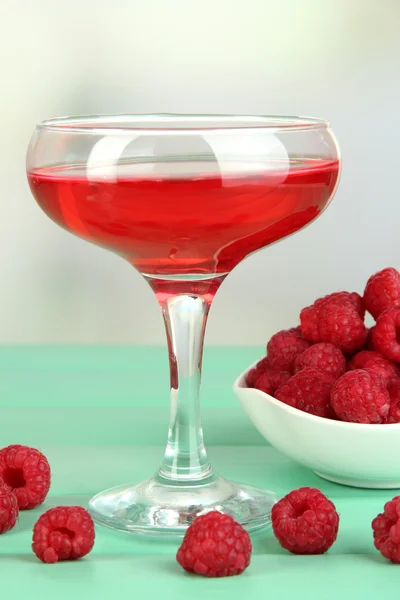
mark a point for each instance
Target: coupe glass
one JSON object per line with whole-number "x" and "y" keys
{"x": 183, "y": 198}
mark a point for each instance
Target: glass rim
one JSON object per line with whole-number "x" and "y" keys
{"x": 175, "y": 123}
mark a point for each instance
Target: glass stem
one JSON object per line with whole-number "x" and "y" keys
{"x": 185, "y": 458}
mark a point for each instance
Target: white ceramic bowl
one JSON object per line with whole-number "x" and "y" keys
{"x": 347, "y": 453}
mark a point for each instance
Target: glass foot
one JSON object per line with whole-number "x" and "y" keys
{"x": 157, "y": 507}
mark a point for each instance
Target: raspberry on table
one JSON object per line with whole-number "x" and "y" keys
{"x": 324, "y": 357}
{"x": 27, "y": 473}
{"x": 342, "y": 327}
{"x": 386, "y": 334}
{"x": 63, "y": 533}
{"x": 284, "y": 347}
{"x": 382, "y": 291}
{"x": 361, "y": 396}
{"x": 257, "y": 371}
{"x": 8, "y": 508}
{"x": 271, "y": 380}
{"x": 308, "y": 390}
{"x": 305, "y": 522}
{"x": 394, "y": 395}
{"x": 215, "y": 545}
{"x": 369, "y": 359}
{"x": 386, "y": 530}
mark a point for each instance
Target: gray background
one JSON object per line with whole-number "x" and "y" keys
{"x": 336, "y": 59}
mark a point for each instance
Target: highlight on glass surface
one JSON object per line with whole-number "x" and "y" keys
{"x": 183, "y": 199}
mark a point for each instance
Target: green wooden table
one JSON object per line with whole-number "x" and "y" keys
{"x": 100, "y": 415}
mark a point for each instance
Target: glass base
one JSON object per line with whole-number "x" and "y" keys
{"x": 162, "y": 507}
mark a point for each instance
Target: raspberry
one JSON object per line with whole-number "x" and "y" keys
{"x": 361, "y": 397}
{"x": 308, "y": 390}
{"x": 351, "y": 299}
{"x": 215, "y": 546}
{"x": 368, "y": 359}
{"x": 27, "y": 473}
{"x": 342, "y": 327}
{"x": 8, "y": 508}
{"x": 309, "y": 324}
{"x": 382, "y": 291}
{"x": 309, "y": 317}
{"x": 284, "y": 347}
{"x": 386, "y": 334}
{"x": 271, "y": 380}
{"x": 324, "y": 357}
{"x": 257, "y": 371}
{"x": 394, "y": 394}
{"x": 386, "y": 528}
{"x": 63, "y": 533}
{"x": 305, "y": 522}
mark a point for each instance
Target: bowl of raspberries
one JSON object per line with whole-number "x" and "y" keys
{"x": 327, "y": 392}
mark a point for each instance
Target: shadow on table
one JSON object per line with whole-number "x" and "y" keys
{"x": 25, "y": 558}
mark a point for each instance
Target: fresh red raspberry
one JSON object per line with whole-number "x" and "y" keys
{"x": 324, "y": 357}
{"x": 215, "y": 546}
{"x": 386, "y": 334}
{"x": 342, "y": 327}
{"x": 283, "y": 349}
{"x": 271, "y": 380}
{"x": 394, "y": 394}
{"x": 309, "y": 324}
{"x": 309, "y": 317}
{"x": 27, "y": 472}
{"x": 63, "y": 533}
{"x": 305, "y": 522}
{"x": 350, "y": 299}
{"x": 361, "y": 396}
{"x": 386, "y": 528}
{"x": 8, "y": 508}
{"x": 382, "y": 291}
{"x": 368, "y": 359}
{"x": 308, "y": 390}
{"x": 257, "y": 371}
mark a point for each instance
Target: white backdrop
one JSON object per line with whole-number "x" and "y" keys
{"x": 338, "y": 59}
